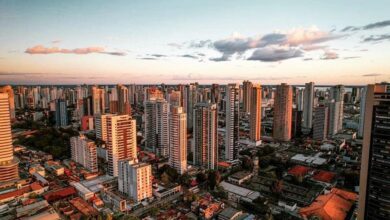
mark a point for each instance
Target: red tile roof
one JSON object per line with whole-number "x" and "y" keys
{"x": 299, "y": 170}
{"x": 19, "y": 192}
{"x": 332, "y": 206}
{"x": 60, "y": 194}
{"x": 83, "y": 207}
{"x": 324, "y": 176}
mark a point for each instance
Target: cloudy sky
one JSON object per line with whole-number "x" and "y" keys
{"x": 181, "y": 41}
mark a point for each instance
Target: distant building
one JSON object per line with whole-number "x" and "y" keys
{"x": 135, "y": 179}
{"x": 321, "y": 123}
{"x": 61, "y": 114}
{"x": 121, "y": 141}
{"x": 178, "y": 140}
{"x": 247, "y": 96}
{"x": 83, "y": 152}
{"x": 282, "y": 113}
{"x": 206, "y": 135}
{"x": 308, "y": 103}
{"x": 157, "y": 126}
{"x": 232, "y": 121}
{"x": 336, "y": 109}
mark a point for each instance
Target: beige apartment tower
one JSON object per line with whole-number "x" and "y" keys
{"x": 255, "y": 114}
{"x": 121, "y": 141}
{"x": 8, "y": 163}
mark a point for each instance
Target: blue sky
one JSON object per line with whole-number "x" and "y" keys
{"x": 183, "y": 41}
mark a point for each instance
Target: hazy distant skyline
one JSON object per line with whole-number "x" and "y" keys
{"x": 66, "y": 42}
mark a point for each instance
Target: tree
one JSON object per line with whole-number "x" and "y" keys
{"x": 201, "y": 177}
{"x": 165, "y": 178}
{"x": 214, "y": 177}
{"x": 247, "y": 164}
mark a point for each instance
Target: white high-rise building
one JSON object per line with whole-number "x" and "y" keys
{"x": 178, "y": 140}
{"x": 121, "y": 141}
{"x": 206, "y": 135}
{"x": 135, "y": 179}
{"x": 334, "y": 115}
{"x": 308, "y": 103}
{"x": 232, "y": 123}
{"x": 83, "y": 151}
{"x": 157, "y": 126}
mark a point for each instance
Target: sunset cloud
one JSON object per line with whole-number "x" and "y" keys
{"x": 293, "y": 43}
{"x": 39, "y": 49}
{"x": 329, "y": 55}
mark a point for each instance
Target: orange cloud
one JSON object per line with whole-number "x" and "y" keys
{"x": 39, "y": 49}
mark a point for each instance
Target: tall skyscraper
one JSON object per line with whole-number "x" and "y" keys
{"x": 135, "y": 179}
{"x": 190, "y": 99}
{"x": 206, "y": 135}
{"x": 374, "y": 193}
{"x": 282, "y": 113}
{"x": 336, "y": 107}
{"x": 334, "y": 116}
{"x": 308, "y": 103}
{"x": 247, "y": 96}
{"x": 157, "y": 126}
{"x": 8, "y": 163}
{"x": 8, "y": 89}
{"x": 83, "y": 151}
{"x": 178, "y": 140}
{"x": 321, "y": 123}
{"x": 98, "y": 102}
{"x": 232, "y": 121}
{"x": 61, "y": 114}
{"x": 121, "y": 141}
{"x": 300, "y": 99}
{"x": 124, "y": 107}
{"x": 255, "y": 114}
{"x": 215, "y": 94}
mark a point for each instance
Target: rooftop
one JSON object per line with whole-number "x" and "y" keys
{"x": 332, "y": 206}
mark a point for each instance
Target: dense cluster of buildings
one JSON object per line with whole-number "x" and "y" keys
{"x": 127, "y": 133}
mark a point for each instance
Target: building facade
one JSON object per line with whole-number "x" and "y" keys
{"x": 178, "y": 140}
{"x": 374, "y": 193}
{"x": 232, "y": 121}
{"x": 282, "y": 113}
{"x": 206, "y": 135}
{"x": 83, "y": 151}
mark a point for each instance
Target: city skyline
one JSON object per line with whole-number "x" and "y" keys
{"x": 180, "y": 42}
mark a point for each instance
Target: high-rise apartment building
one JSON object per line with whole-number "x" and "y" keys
{"x": 157, "y": 126}
{"x": 83, "y": 151}
{"x": 178, "y": 140}
{"x": 282, "y": 113}
{"x": 232, "y": 121}
{"x": 247, "y": 96}
{"x": 308, "y": 103}
{"x": 255, "y": 114}
{"x": 121, "y": 141}
{"x": 320, "y": 123}
{"x": 190, "y": 99}
{"x": 61, "y": 113}
{"x": 206, "y": 135}
{"x": 11, "y": 99}
{"x": 8, "y": 163}
{"x": 124, "y": 107}
{"x": 336, "y": 108}
{"x": 135, "y": 179}
{"x": 98, "y": 102}
{"x": 374, "y": 192}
